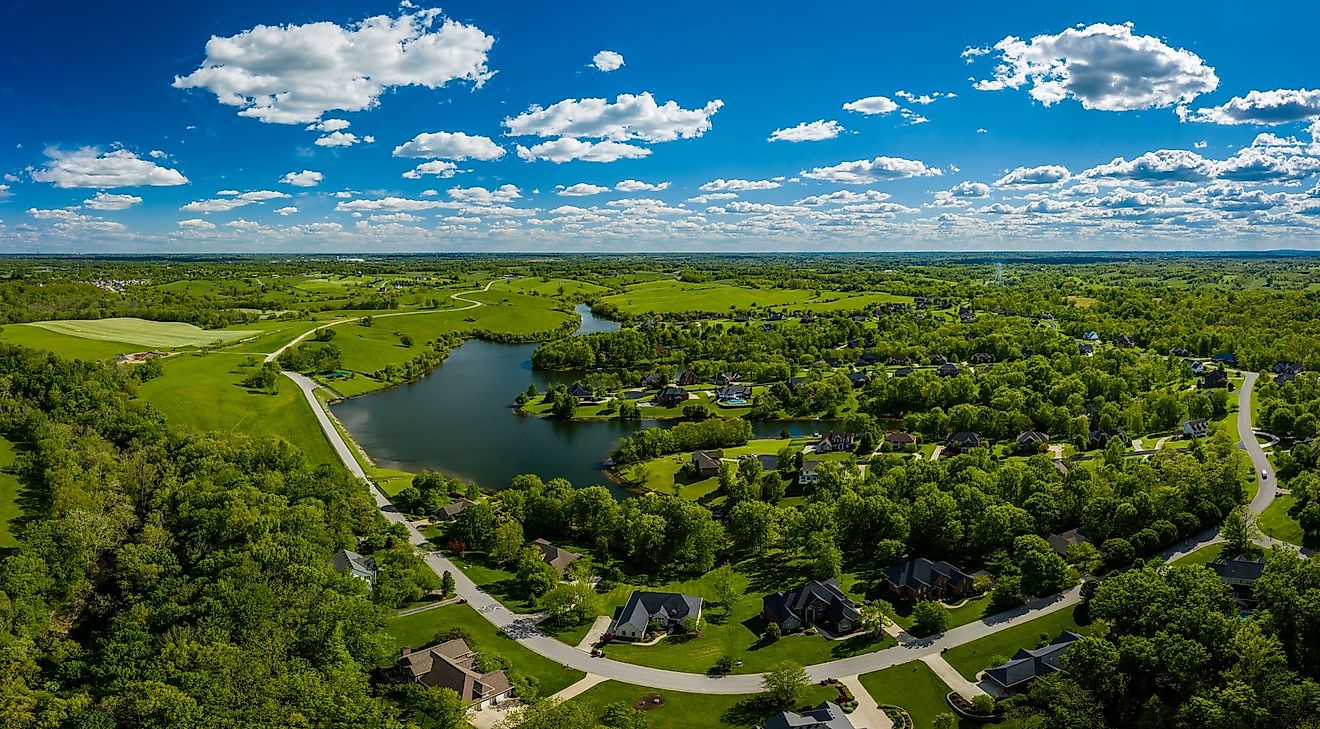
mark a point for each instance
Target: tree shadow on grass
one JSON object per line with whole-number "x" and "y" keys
{"x": 752, "y": 711}
{"x": 858, "y": 644}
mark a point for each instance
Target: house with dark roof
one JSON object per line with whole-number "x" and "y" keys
{"x": 1214, "y": 379}
{"x": 581, "y": 392}
{"x": 938, "y": 359}
{"x": 898, "y": 359}
{"x": 899, "y": 440}
{"x": 352, "y": 563}
{"x": 922, "y": 579}
{"x": 1180, "y": 352}
{"x": 654, "y": 381}
{"x": 962, "y": 441}
{"x": 949, "y": 369}
{"x": 725, "y": 378}
{"x": 1030, "y": 442}
{"x": 450, "y": 511}
{"x": 1085, "y": 349}
{"x": 1065, "y": 541}
{"x": 827, "y": 715}
{"x": 808, "y": 474}
{"x": 1028, "y": 665}
{"x": 903, "y": 372}
{"x": 1227, "y": 358}
{"x": 814, "y": 603}
{"x": 645, "y": 610}
{"x": 1124, "y": 340}
{"x": 1100, "y": 438}
{"x": 558, "y": 558}
{"x": 1197, "y": 367}
{"x": 1240, "y": 574}
{"x": 793, "y": 383}
{"x": 689, "y": 378}
{"x": 734, "y": 393}
{"x": 453, "y": 665}
{"x": 981, "y": 358}
{"x": 835, "y": 441}
{"x": 1196, "y": 428}
{"x": 859, "y": 379}
{"x": 671, "y": 396}
{"x": 706, "y": 463}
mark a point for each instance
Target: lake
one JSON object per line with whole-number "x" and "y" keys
{"x": 459, "y": 420}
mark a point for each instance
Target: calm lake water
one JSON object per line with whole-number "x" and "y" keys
{"x": 459, "y": 420}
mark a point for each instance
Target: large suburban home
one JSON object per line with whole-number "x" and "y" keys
{"x": 452, "y": 665}
{"x": 859, "y": 379}
{"x": 671, "y": 396}
{"x": 644, "y": 609}
{"x": 706, "y": 463}
{"x": 558, "y": 558}
{"x": 1032, "y": 441}
{"x": 1180, "y": 352}
{"x": 903, "y": 372}
{"x": 807, "y": 474}
{"x": 1196, "y": 428}
{"x": 654, "y": 381}
{"x": 1124, "y": 340}
{"x": 828, "y": 715}
{"x": 1028, "y": 665}
{"x": 450, "y": 511}
{"x": 981, "y": 358}
{"x": 898, "y": 359}
{"x": 1227, "y": 358}
{"x": 352, "y": 563}
{"x": 835, "y": 441}
{"x": 815, "y": 603}
{"x": 962, "y": 441}
{"x": 1196, "y": 365}
{"x": 689, "y": 378}
{"x": 581, "y": 392}
{"x": 726, "y": 378}
{"x": 734, "y": 393}
{"x": 1091, "y": 336}
{"x": 1240, "y": 574}
{"x": 1100, "y": 438}
{"x": 1085, "y": 349}
{"x": 898, "y": 440}
{"x": 938, "y": 359}
{"x": 949, "y": 369}
{"x": 1214, "y": 379}
{"x": 1065, "y": 541}
{"x": 922, "y": 579}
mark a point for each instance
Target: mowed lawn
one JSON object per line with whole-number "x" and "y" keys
{"x": 1203, "y": 556}
{"x": 912, "y": 686}
{"x": 64, "y": 345}
{"x": 155, "y": 334}
{"x": 8, "y": 494}
{"x": 203, "y": 392}
{"x": 698, "y": 711}
{"x": 735, "y": 633}
{"x": 418, "y": 630}
{"x": 1276, "y": 522}
{"x": 971, "y": 658}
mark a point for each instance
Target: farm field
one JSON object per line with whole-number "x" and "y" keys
{"x": 667, "y": 296}
{"x": 697, "y": 711}
{"x": 142, "y": 332}
{"x": 64, "y": 345}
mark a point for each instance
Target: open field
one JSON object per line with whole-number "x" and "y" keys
{"x": 154, "y": 334}
{"x": 64, "y": 345}
{"x": 203, "y": 391}
{"x": 1276, "y": 522}
{"x": 669, "y": 296}
{"x": 8, "y": 494}
{"x": 419, "y": 629}
{"x": 695, "y": 711}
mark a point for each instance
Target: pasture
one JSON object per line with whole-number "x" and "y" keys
{"x": 667, "y": 296}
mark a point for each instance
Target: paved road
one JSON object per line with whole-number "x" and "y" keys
{"x": 1269, "y": 485}
{"x": 523, "y": 627}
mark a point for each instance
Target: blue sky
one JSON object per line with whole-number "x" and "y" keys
{"x": 769, "y": 126}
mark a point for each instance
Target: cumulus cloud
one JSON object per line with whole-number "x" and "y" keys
{"x": 1280, "y": 106}
{"x": 871, "y": 105}
{"x": 638, "y": 186}
{"x": 288, "y": 210}
{"x": 70, "y": 222}
{"x": 581, "y": 189}
{"x": 483, "y": 196}
{"x": 342, "y": 139}
{"x": 110, "y": 201}
{"x": 329, "y": 125}
{"x": 1163, "y": 165}
{"x": 292, "y": 74}
{"x": 738, "y": 185}
{"x": 862, "y": 171}
{"x": 443, "y": 169}
{"x": 1033, "y": 176}
{"x": 607, "y": 61}
{"x": 845, "y": 197}
{"x": 924, "y": 99}
{"x": 196, "y": 224}
{"x": 230, "y": 200}
{"x": 807, "y": 132}
{"x": 306, "y": 178}
{"x": 567, "y": 149}
{"x": 450, "y": 145}
{"x": 1103, "y": 66}
{"x": 628, "y": 117}
{"x": 89, "y": 167}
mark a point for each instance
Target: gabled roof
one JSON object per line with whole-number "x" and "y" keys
{"x": 453, "y": 508}
{"x": 1032, "y": 436}
{"x": 644, "y": 606}
{"x": 558, "y": 558}
{"x": 792, "y": 603}
{"x": 1238, "y": 568}
{"x": 898, "y": 437}
{"x": 1030, "y": 664}
{"x": 706, "y": 459}
{"x": 344, "y": 560}
{"x": 921, "y": 572}
{"x": 828, "y": 715}
{"x": 964, "y": 438}
{"x": 1061, "y": 542}
{"x": 452, "y": 665}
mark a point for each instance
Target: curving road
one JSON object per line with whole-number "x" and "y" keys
{"x": 523, "y": 627}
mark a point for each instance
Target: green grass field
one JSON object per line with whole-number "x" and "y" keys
{"x": 418, "y": 630}
{"x": 1276, "y": 523}
{"x": 202, "y": 391}
{"x": 693, "y": 711}
{"x": 912, "y": 686}
{"x": 1203, "y": 556}
{"x": 152, "y": 334}
{"x": 669, "y": 296}
{"x": 64, "y": 345}
{"x": 8, "y": 494}
{"x": 971, "y": 658}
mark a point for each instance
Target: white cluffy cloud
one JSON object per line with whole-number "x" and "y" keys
{"x": 1279, "y": 106}
{"x": 109, "y": 201}
{"x": 581, "y": 189}
{"x": 292, "y": 74}
{"x": 89, "y": 167}
{"x": 567, "y": 149}
{"x": 450, "y": 145}
{"x": 1103, "y": 66}
{"x": 607, "y": 61}
{"x": 721, "y": 185}
{"x": 628, "y": 117}
{"x": 862, "y": 171}
{"x": 306, "y": 178}
{"x": 438, "y": 168}
{"x": 871, "y": 105}
{"x": 227, "y": 200}
{"x": 815, "y": 131}
{"x": 638, "y": 186}
{"x": 1033, "y": 176}
{"x": 343, "y": 139}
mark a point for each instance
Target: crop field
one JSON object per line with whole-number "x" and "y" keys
{"x": 144, "y": 333}
{"x": 669, "y": 296}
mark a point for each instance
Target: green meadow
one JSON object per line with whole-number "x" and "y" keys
{"x": 154, "y": 334}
